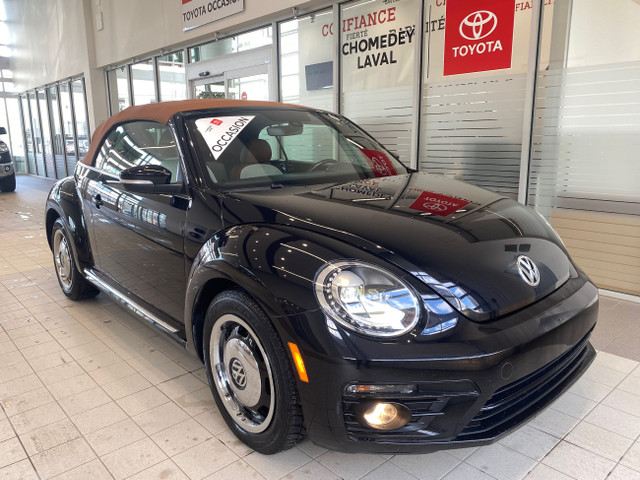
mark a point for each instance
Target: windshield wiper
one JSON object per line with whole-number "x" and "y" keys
{"x": 271, "y": 186}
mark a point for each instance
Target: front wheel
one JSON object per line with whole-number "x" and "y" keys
{"x": 72, "y": 283}
{"x": 249, "y": 374}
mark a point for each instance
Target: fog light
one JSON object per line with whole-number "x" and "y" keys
{"x": 386, "y": 416}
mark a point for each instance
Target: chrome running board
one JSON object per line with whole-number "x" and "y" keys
{"x": 132, "y": 305}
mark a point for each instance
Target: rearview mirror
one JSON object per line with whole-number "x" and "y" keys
{"x": 294, "y": 128}
{"x": 144, "y": 178}
{"x": 3, "y": 131}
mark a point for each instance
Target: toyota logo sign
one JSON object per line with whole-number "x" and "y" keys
{"x": 478, "y": 25}
{"x": 478, "y": 36}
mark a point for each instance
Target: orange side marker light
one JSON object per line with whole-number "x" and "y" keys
{"x": 297, "y": 359}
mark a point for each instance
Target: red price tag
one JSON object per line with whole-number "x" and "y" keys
{"x": 436, "y": 204}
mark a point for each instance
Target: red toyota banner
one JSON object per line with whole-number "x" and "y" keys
{"x": 478, "y": 35}
{"x": 436, "y": 204}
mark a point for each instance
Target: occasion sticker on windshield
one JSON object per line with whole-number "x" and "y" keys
{"x": 437, "y": 204}
{"x": 379, "y": 163}
{"x": 219, "y": 132}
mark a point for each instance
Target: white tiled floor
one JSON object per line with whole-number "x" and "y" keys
{"x": 88, "y": 391}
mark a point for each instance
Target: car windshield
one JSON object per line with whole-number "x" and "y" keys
{"x": 244, "y": 148}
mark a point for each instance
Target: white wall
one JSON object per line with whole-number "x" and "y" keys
{"x": 137, "y": 28}
{"x": 51, "y": 44}
{"x": 604, "y": 32}
{"x": 50, "y": 40}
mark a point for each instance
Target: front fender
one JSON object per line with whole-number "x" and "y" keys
{"x": 64, "y": 202}
{"x": 275, "y": 264}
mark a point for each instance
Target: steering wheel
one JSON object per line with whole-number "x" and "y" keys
{"x": 321, "y": 163}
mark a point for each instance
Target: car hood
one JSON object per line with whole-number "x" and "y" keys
{"x": 461, "y": 240}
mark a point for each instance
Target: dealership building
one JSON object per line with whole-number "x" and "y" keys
{"x": 538, "y": 101}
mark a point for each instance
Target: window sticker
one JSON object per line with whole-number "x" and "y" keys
{"x": 219, "y": 132}
{"x": 379, "y": 163}
{"x": 437, "y": 204}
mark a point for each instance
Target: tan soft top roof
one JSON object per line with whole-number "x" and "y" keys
{"x": 162, "y": 112}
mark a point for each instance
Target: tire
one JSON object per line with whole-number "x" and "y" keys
{"x": 250, "y": 375}
{"x": 72, "y": 283}
{"x": 8, "y": 184}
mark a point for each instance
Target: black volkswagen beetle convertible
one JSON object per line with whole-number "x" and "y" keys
{"x": 329, "y": 290}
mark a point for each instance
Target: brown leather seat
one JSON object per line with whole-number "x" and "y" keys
{"x": 257, "y": 151}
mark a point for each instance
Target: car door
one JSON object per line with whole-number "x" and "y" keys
{"x": 137, "y": 239}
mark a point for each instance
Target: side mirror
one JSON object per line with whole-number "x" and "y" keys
{"x": 144, "y": 178}
{"x": 3, "y": 131}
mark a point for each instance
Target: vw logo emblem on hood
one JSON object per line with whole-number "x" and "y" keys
{"x": 478, "y": 25}
{"x": 528, "y": 271}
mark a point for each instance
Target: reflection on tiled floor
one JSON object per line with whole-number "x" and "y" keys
{"x": 89, "y": 392}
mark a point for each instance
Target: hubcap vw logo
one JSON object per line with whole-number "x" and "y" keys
{"x": 528, "y": 270}
{"x": 238, "y": 374}
{"x": 478, "y": 25}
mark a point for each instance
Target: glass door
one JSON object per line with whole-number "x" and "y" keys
{"x": 250, "y": 83}
{"x": 251, "y": 87}
{"x": 210, "y": 87}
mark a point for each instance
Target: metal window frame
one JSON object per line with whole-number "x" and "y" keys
{"x": 535, "y": 44}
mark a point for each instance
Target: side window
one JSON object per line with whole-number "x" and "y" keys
{"x": 139, "y": 143}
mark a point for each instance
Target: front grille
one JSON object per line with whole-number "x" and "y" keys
{"x": 5, "y": 157}
{"x": 513, "y": 403}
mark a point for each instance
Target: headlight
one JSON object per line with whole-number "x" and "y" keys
{"x": 366, "y": 299}
{"x": 3, "y": 148}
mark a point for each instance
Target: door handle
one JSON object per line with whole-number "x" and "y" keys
{"x": 97, "y": 201}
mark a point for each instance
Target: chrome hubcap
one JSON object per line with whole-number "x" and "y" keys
{"x": 242, "y": 373}
{"x": 62, "y": 258}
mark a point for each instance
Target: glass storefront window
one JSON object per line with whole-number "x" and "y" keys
{"x": 37, "y": 134}
{"x": 239, "y": 43}
{"x": 68, "y": 127}
{"x": 306, "y": 60}
{"x": 26, "y": 125}
{"x": 47, "y": 147}
{"x": 584, "y": 170}
{"x": 56, "y": 126}
{"x": 119, "y": 89}
{"x": 17, "y": 142}
{"x": 173, "y": 80}
{"x": 472, "y": 122}
{"x": 80, "y": 114}
{"x": 142, "y": 77}
{"x": 377, "y": 58}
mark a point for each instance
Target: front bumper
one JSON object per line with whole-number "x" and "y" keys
{"x": 470, "y": 388}
{"x": 6, "y": 165}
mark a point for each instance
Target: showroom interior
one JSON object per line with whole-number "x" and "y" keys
{"x": 90, "y": 391}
